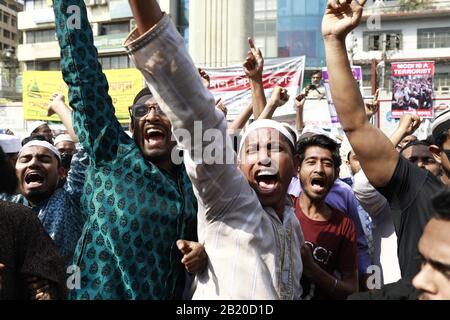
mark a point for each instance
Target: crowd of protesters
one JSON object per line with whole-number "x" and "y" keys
{"x": 97, "y": 214}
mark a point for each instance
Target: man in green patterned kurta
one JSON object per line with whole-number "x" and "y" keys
{"x": 137, "y": 202}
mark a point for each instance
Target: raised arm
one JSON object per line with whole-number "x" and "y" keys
{"x": 201, "y": 131}
{"x": 370, "y": 144}
{"x": 58, "y": 106}
{"x": 94, "y": 118}
{"x": 300, "y": 101}
{"x": 279, "y": 98}
{"x": 408, "y": 125}
{"x": 253, "y": 68}
{"x": 241, "y": 120}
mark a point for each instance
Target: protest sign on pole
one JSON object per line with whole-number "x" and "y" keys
{"x": 357, "y": 73}
{"x": 232, "y": 86}
{"x": 412, "y": 88}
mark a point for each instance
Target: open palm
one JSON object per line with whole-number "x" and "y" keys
{"x": 341, "y": 17}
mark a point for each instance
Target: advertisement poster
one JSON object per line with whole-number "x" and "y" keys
{"x": 38, "y": 87}
{"x": 412, "y": 88}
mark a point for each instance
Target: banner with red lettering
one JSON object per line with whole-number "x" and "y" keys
{"x": 412, "y": 88}
{"x": 233, "y": 88}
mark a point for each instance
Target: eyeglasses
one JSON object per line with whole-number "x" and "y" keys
{"x": 138, "y": 111}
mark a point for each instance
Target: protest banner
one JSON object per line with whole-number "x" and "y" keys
{"x": 232, "y": 86}
{"x": 412, "y": 88}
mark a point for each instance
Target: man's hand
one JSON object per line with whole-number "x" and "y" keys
{"x": 300, "y": 100}
{"x": 220, "y": 106}
{"x": 195, "y": 258}
{"x": 254, "y": 63}
{"x": 409, "y": 123}
{"x": 341, "y": 17}
{"x": 39, "y": 289}
{"x": 56, "y": 101}
{"x": 205, "y": 78}
{"x": 373, "y": 106}
{"x": 279, "y": 97}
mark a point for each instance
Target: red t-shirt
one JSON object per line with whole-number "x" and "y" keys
{"x": 332, "y": 242}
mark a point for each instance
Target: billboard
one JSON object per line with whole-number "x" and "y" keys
{"x": 233, "y": 87}
{"x": 38, "y": 87}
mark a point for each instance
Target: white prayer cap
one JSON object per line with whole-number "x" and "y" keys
{"x": 292, "y": 130}
{"x": 34, "y": 125}
{"x": 39, "y": 143}
{"x": 266, "y": 123}
{"x": 61, "y": 138}
{"x": 315, "y": 130}
{"x": 10, "y": 144}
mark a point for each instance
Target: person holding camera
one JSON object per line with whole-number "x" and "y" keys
{"x": 315, "y": 90}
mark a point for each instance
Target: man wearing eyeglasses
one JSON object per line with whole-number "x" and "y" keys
{"x": 137, "y": 202}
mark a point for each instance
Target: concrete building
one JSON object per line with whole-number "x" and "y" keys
{"x": 401, "y": 33}
{"x": 218, "y": 31}
{"x": 111, "y": 21}
{"x": 9, "y": 33}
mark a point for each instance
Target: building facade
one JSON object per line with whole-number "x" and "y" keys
{"x": 111, "y": 21}
{"x": 9, "y": 33}
{"x": 398, "y": 31}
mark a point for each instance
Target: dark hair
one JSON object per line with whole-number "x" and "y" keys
{"x": 441, "y": 205}
{"x": 8, "y": 181}
{"x": 38, "y": 137}
{"x": 415, "y": 143}
{"x": 144, "y": 92}
{"x": 440, "y": 138}
{"x": 316, "y": 72}
{"x": 322, "y": 142}
{"x": 66, "y": 160}
{"x": 430, "y": 140}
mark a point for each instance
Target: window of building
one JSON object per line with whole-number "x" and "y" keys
{"x": 442, "y": 80}
{"x": 13, "y": 36}
{"x": 433, "y": 38}
{"x": 114, "y": 28}
{"x": 265, "y": 27}
{"x": 379, "y": 41}
{"x": 40, "y": 4}
{"x": 183, "y": 20}
{"x": 115, "y": 62}
{"x": 14, "y": 21}
{"x": 50, "y": 65}
{"x": 47, "y": 35}
{"x": 5, "y": 17}
{"x": 6, "y": 34}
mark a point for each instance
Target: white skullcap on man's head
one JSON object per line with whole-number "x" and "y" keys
{"x": 10, "y": 144}
{"x": 39, "y": 143}
{"x": 61, "y": 138}
{"x": 34, "y": 125}
{"x": 266, "y": 123}
{"x": 441, "y": 123}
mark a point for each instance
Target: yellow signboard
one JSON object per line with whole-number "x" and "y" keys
{"x": 38, "y": 87}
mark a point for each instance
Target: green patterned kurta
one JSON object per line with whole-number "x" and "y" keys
{"x": 135, "y": 212}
